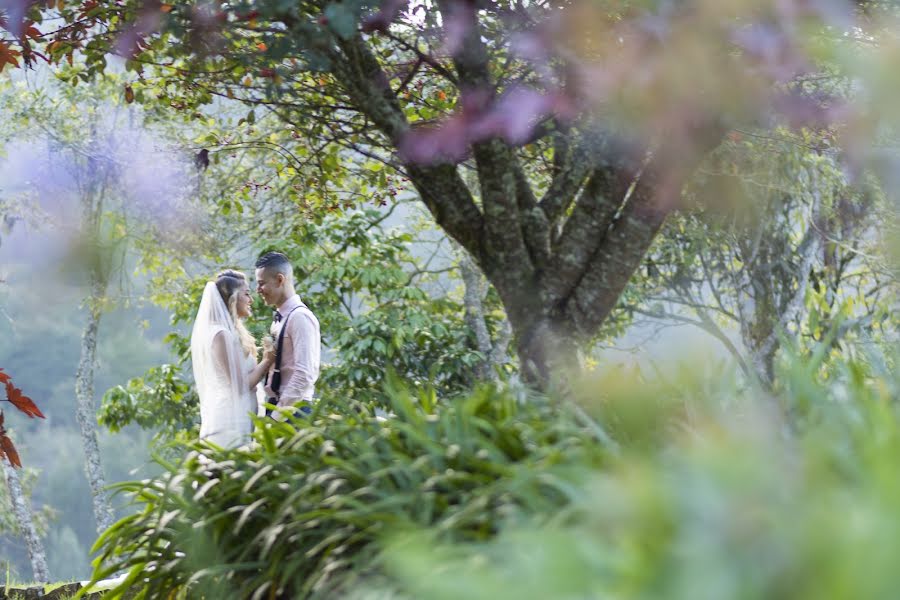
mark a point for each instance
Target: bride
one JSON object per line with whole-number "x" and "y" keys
{"x": 224, "y": 354}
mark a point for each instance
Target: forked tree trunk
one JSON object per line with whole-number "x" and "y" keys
{"x": 86, "y": 411}
{"x": 559, "y": 255}
{"x": 25, "y": 520}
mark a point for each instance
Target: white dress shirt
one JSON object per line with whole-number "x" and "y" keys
{"x": 300, "y": 352}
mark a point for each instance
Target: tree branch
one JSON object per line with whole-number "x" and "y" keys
{"x": 440, "y": 187}
{"x": 655, "y": 194}
{"x": 470, "y": 57}
{"x": 504, "y": 242}
{"x": 535, "y": 226}
{"x": 583, "y": 233}
{"x": 570, "y": 169}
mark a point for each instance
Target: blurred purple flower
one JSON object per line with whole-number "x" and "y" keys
{"x": 383, "y": 17}
{"x": 803, "y": 110}
{"x": 148, "y": 21}
{"x": 448, "y": 142}
{"x": 836, "y": 13}
{"x": 14, "y": 11}
{"x": 773, "y": 50}
{"x": 512, "y": 118}
{"x": 654, "y": 26}
{"x": 457, "y": 23}
{"x": 534, "y": 46}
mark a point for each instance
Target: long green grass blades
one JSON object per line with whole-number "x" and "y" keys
{"x": 712, "y": 492}
{"x": 304, "y": 510}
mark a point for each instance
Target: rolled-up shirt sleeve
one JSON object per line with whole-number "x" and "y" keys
{"x": 303, "y": 330}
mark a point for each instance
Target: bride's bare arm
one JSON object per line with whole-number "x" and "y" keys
{"x": 220, "y": 354}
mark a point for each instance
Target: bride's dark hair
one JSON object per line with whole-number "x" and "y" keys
{"x": 229, "y": 283}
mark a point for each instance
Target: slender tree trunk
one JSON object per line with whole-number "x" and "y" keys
{"x": 494, "y": 351}
{"x": 25, "y": 519}
{"x": 472, "y": 298}
{"x": 500, "y": 351}
{"x": 779, "y": 309}
{"x": 86, "y": 412}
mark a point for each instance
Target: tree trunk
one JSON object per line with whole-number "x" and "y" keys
{"x": 26, "y": 523}
{"x": 494, "y": 351}
{"x": 559, "y": 261}
{"x": 548, "y": 351}
{"x": 87, "y": 412}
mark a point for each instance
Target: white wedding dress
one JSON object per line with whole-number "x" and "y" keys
{"x": 226, "y": 400}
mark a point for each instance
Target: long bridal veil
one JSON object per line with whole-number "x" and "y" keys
{"x": 221, "y": 387}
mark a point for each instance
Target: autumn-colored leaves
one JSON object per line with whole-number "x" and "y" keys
{"x": 15, "y": 397}
{"x": 8, "y": 56}
{"x": 22, "y": 402}
{"x": 26, "y": 32}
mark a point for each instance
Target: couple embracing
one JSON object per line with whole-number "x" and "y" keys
{"x": 224, "y": 353}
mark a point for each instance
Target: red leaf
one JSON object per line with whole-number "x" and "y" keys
{"x": 7, "y": 448}
{"x": 3, "y": 377}
{"x": 21, "y": 401}
{"x": 7, "y": 56}
{"x": 129, "y": 94}
{"x": 29, "y": 30}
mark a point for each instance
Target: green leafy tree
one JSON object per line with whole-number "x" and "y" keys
{"x": 797, "y": 257}
{"x": 378, "y": 311}
{"x": 382, "y": 307}
{"x": 575, "y": 174}
{"x": 92, "y": 139}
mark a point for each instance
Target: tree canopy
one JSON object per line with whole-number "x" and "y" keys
{"x": 551, "y": 141}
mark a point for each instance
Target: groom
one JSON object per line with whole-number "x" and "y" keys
{"x": 299, "y": 356}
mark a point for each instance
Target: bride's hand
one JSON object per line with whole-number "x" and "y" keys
{"x": 269, "y": 356}
{"x": 268, "y": 349}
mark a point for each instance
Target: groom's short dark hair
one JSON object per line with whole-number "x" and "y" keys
{"x": 275, "y": 261}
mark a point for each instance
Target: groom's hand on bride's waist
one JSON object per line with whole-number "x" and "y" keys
{"x": 298, "y": 410}
{"x": 281, "y": 413}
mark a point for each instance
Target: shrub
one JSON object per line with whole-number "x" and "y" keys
{"x": 303, "y": 511}
{"x": 739, "y": 496}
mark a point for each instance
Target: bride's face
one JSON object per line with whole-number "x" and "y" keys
{"x": 244, "y": 302}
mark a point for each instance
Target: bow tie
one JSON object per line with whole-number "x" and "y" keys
{"x": 277, "y": 316}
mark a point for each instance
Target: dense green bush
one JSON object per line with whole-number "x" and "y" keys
{"x": 738, "y": 496}
{"x": 712, "y": 489}
{"x": 303, "y": 512}
{"x": 160, "y": 400}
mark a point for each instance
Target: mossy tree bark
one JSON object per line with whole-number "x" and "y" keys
{"x": 25, "y": 520}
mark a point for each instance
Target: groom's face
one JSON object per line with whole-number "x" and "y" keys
{"x": 268, "y": 286}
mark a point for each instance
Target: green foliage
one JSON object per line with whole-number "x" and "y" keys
{"x": 160, "y": 400}
{"x": 381, "y": 308}
{"x": 726, "y": 503}
{"x": 778, "y": 241}
{"x": 371, "y": 294}
{"x": 714, "y": 490}
{"x": 302, "y": 512}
